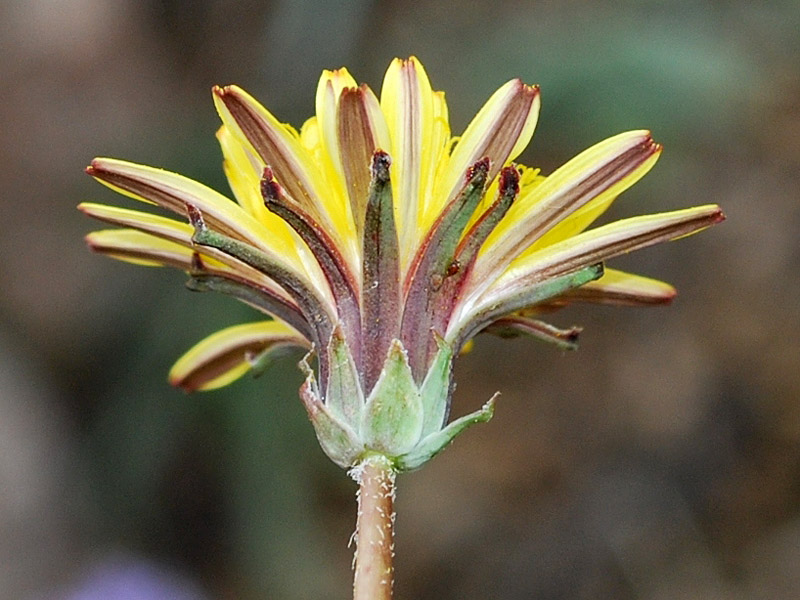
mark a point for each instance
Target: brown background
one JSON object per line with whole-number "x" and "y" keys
{"x": 662, "y": 460}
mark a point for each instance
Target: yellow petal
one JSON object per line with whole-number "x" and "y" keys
{"x": 608, "y": 241}
{"x": 324, "y": 127}
{"x": 500, "y": 131}
{"x": 311, "y": 138}
{"x": 434, "y": 162}
{"x": 329, "y": 90}
{"x": 140, "y": 248}
{"x": 224, "y": 356}
{"x": 244, "y": 172}
{"x": 642, "y": 156}
{"x": 163, "y": 227}
{"x": 564, "y": 203}
{"x": 174, "y": 192}
{"x": 180, "y": 233}
{"x": 294, "y": 168}
{"x": 623, "y": 289}
{"x": 419, "y": 132}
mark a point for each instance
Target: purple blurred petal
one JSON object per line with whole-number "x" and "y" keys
{"x": 132, "y": 579}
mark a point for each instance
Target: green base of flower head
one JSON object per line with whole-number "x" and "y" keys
{"x": 399, "y": 420}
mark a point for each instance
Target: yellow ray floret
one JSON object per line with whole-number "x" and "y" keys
{"x": 228, "y": 354}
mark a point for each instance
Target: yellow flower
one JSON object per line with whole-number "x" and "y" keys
{"x": 384, "y": 243}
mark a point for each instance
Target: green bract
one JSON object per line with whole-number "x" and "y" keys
{"x": 401, "y": 420}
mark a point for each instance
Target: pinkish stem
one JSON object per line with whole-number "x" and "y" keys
{"x": 374, "y": 573}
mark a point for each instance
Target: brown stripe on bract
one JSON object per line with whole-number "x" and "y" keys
{"x": 316, "y": 308}
{"x": 425, "y": 307}
{"x": 380, "y": 273}
{"x": 458, "y": 272}
{"x": 518, "y": 296}
{"x": 429, "y": 246}
{"x": 333, "y": 265}
{"x": 508, "y": 190}
{"x": 259, "y": 297}
{"x": 319, "y": 241}
{"x": 511, "y": 325}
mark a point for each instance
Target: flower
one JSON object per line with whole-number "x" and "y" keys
{"x": 382, "y": 244}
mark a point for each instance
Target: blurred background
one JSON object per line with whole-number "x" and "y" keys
{"x": 660, "y": 461}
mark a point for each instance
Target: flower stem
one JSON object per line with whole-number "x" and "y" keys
{"x": 374, "y": 573}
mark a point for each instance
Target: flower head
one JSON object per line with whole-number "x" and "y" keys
{"x": 382, "y": 243}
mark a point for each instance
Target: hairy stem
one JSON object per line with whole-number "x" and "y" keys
{"x": 374, "y": 573}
